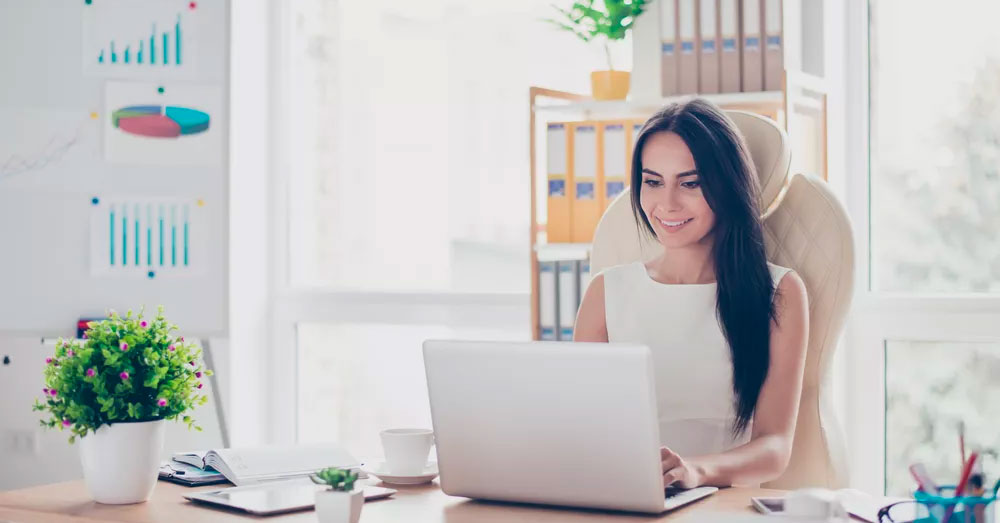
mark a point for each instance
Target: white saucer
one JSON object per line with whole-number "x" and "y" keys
{"x": 379, "y": 470}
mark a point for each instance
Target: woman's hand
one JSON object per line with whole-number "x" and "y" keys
{"x": 677, "y": 471}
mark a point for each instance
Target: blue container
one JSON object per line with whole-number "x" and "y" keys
{"x": 963, "y": 509}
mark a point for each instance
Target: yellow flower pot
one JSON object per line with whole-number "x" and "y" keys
{"x": 609, "y": 85}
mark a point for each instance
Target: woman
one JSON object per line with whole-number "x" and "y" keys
{"x": 727, "y": 329}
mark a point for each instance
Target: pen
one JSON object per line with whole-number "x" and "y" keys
{"x": 962, "y": 482}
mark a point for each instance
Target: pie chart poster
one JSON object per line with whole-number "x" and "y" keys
{"x": 163, "y": 124}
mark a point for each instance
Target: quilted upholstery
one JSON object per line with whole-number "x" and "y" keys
{"x": 806, "y": 229}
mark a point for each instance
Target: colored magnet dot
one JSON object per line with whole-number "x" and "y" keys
{"x": 201, "y": 203}
{"x": 93, "y": 115}
{"x": 192, "y": 5}
{"x": 151, "y": 274}
{"x": 88, "y": 2}
{"x": 160, "y": 89}
{"x": 95, "y": 200}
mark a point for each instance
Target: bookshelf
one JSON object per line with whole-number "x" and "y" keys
{"x": 800, "y": 108}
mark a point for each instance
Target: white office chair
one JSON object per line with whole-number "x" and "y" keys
{"x": 807, "y": 229}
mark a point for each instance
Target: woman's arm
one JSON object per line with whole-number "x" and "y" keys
{"x": 766, "y": 455}
{"x": 591, "y": 324}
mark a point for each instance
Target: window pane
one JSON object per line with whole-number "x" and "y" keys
{"x": 357, "y": 379}
{"x": 930, "y": 387}
{"x": 407, "y": 136}
{"x": 935, "y": 146}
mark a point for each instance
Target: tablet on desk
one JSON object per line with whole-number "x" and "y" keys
{"x": 274, "y": 498}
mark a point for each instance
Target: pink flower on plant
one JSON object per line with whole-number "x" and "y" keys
{"x": 45, "y": 391}
{"x": 199, "y": 385}
{"x": 123, "y": 346}
{"x": 53, "y": 392}
{"x": 91, "y": 372}
{"x": 161, "y": 402}
{"x": 67, "y": 423}
{"x": 123, "y": 375}
{"x": 143, "y": 324}
{"x": 85, "y": 335}
{"x": 197, "y": 374}
{"x": 192, "y": 363}
{"x": 171, "y": 348}
{"x": 69, "y": 353}
{"x": 182, "y": 339}
{"x": 48, "y": 361}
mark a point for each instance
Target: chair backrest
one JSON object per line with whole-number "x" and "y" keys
{"x": 806, "y": 229}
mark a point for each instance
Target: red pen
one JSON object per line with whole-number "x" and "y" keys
{"x": 960, "y": 488}
{"x": 924, "y": 480}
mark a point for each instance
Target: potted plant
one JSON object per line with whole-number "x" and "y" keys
{"x": 339, "y": 503}
{"x": 612, "y": 22}
{"x": 113, "y": 390}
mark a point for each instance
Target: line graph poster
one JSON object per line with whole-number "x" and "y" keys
{"x": 33, "y": 140}
{"x": 168, "y": 124}
{"x": 141, "y": 39}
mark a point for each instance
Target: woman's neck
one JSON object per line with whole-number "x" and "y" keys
{"x": 692, "y": 264}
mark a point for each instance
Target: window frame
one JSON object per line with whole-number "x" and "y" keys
{"x": 880, "y": 317}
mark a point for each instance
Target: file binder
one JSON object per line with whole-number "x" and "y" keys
{"x": 669, "y": 47}
{"x": 773, "y": 45}
{"x": 547, "y": 307}
{"x": 560, "y": 182}
{"x": 687, "y": 59}
{"x": 753, "y": 59}
{"x": 567, "y": 285}
{"x": 586, "y": 206}
{"x": 708, "y": 47}
{"x": 614, "y": 161}
{"x": 584, "y": 273}
{"x": 729, "y": 57}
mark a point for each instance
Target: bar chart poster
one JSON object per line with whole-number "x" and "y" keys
{"x": 130, "y": 38}
{"x": 162, "y": 124}
{"x": 147, "y": 238}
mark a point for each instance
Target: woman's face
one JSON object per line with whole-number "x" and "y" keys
{"x": 671, "y": 193}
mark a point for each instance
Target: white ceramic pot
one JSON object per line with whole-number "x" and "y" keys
{"x": 121, "y": 461}
{"x": 334, "y": 506}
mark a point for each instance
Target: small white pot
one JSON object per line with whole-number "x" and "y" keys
{"x": 334, "y": 506}
{"x": 121, "y": 461}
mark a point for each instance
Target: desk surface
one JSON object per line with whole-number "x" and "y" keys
{"x": 70, "y": 502}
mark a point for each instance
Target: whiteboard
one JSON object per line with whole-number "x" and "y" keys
{"x": 113, "y": 175}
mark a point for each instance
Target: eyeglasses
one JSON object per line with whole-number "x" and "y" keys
{"x": 965, "y": 510}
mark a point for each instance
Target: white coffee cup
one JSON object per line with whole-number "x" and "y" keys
{"x": 406, "y": 450}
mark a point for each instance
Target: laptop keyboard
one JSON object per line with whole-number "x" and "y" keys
{"x": 676, "y": 497}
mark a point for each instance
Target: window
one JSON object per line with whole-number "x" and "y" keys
{"x": 407, "y": 139}
{"x": 935, "y": 146}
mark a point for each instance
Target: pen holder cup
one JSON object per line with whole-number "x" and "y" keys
{"x": 962, "y": 509}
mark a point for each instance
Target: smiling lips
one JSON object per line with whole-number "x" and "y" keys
{"x": 673, "y": 226}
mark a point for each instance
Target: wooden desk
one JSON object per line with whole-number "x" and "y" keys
{"x": 70, "y": 502}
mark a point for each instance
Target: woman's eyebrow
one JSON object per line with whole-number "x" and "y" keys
{"x": 692, "y": 172}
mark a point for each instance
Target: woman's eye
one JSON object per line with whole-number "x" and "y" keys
{"x": 691, "y": 185}
{"x": 652, "y": 183}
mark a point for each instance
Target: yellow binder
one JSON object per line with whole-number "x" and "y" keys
{"x": 559, "y": 187}
{"x": 614, "y": 160}
{"x": 586, "y": 201}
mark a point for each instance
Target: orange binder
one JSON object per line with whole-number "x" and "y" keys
{"x": 586, "y": 202}
{"x": 614, "y": 160}
{"x": 729, "y": 57}
{"x": 708, "y": 47}
{"x": 669, "y": 46}
{"x": 559, "y": 188}
{"x": 773, "y": 45}
{"x": 753, "y": 59}
{"x": 687, "y": 59}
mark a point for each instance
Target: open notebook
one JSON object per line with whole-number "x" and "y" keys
{"x": 253, "y": 465}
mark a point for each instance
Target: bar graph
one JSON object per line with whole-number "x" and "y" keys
{"x": 171, "y": 44}
{"x": 144, "y": 237}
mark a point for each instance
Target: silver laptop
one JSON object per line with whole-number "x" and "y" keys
{"x": 572, "y": 424}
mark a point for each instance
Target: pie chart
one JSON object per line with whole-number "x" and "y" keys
{"x": 157, "y": 121}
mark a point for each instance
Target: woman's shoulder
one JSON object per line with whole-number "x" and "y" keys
{"x": 777, "y": 272}
{"x": 622, "y": 272}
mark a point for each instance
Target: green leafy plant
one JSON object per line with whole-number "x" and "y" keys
{"x": 336, "y": 479}
{"x": 587, "y": 21}
{"x": 127, "y": 369}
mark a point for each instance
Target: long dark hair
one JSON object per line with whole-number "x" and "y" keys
{"x": 745, "y": 289}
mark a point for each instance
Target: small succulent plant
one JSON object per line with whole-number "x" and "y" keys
{"x": 336, "y": 479}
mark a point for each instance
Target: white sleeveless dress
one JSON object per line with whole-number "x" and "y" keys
{"x": 694, "y": 372}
